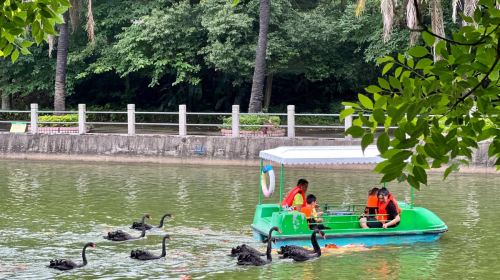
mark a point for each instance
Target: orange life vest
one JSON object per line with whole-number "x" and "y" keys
{"x": 291, "y": 195}
{"x": 307, "y": 210}
{"x": 382, "y": 211}
{"x": 372, "y": 201}
{"x": 371, "y": 204}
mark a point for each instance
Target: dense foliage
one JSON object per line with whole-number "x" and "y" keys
{"x": 57, "y": 121}
{"x": 22, "y": 22}
{"x": 253, "y": 122}
{"x": 441, "y": 109}
{"x": 158, "y": 54}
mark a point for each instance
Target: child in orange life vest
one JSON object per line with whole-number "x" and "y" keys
{"x": 312, "y": 215}
{"x": 371, "y": 203}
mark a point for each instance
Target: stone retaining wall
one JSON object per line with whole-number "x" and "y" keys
{"x": 162, "y": 148}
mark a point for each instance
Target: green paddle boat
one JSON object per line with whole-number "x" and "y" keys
{"x": 417, "y": 224}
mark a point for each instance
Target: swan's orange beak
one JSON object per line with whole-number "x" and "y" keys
{"x": 93, "y": 246}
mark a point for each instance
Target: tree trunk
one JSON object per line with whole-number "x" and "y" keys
{"x": 269, "y": 90}
{"x": 61, "y": 62}
{"x": 437, "y": 23}
{"x": 6, "y": 102}
{"x": 255, "y": 105}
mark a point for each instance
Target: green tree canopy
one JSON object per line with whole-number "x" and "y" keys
{"x": 440, "y": 110}
{"x": 22, "y": 22}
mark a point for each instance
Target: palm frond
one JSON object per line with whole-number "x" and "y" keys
{"x": 51, "y": 40}
{"x": 74, "y": 14}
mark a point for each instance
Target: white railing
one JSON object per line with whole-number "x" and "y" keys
{"x": 182, "y": 123}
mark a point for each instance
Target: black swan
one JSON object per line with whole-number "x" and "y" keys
{"x": 140, "y": 225}
{"x": 122, "y": 236}
{"x": 145, "y": 255}
{"x": 301, "y": 254}
{"x": 63, "y": 264}
{"x": 245, "y": 249}
{"x": 255, "y": 259}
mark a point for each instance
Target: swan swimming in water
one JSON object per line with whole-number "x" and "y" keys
{"x": 301, "y": 254}
{"x": 63, "y": 264}
{"x": 255, "y": 259}
{"x": 145, "y": 255}
{"x": 120, "y": 235}
{"x": 141, "y": 224}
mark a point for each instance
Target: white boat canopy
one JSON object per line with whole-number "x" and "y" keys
{"x": 322, "y": 155}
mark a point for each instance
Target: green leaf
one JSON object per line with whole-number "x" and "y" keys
{"x": 365, "y": 101}
{"x": 387, "y": 67}
{"x": 351, "y": 104}
{"x": 7, "y": 50}
{"x": 381, "y": 102}
{"x": 345, "y": 113}
{"x": 431, "y": 151}
{"x": 26, "y": 44}
{"x": 401, "y": 58}
{"x": 384, "y": 59}
{"x": 423, "y": 63}
{"x": 398, "y": 72}
{"x": 389, "y": 177}
{"x": 428, "y": 38}
{"x": 401, "y": 156}
{"x": 413, "y": 182}
{"x": 393, "y": 167}
{"x": 418, "y": 51}
{"x": 355, "y": 131}
{"x": 395, "y": 82}
{"x": 366, "y": 140}
{"x": 451, "y": 168}
{"x": 379, "y": 115}
{"x": 383, "y": 83}
{"x": 383, "y": 142}
{"x": 373, "y": 89}
{"x": 420, "y": 174}
{"x": 14, "y": 55}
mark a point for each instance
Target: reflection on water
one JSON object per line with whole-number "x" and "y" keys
{"x": 50, "y": 209}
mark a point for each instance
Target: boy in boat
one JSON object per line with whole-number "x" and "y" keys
{"x": 387, "y": 212}
{"x": 296, "y": 197}
{"x": 313, "y": 216}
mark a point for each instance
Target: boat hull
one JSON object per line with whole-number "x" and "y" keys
{"x": 417, "y": 225}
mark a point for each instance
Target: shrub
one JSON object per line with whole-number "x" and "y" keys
{"x": 71, "y": 119}
{"x": 255, "y": 121}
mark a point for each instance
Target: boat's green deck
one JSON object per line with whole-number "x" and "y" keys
{"x": 293, "y": 223}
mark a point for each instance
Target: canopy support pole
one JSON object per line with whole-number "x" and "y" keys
{"x": 412, "y": 197}
{"x": 260, "y": 181}
{"x": 282, "y": 175}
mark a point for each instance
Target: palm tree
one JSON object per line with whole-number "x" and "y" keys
{"x": 387, "y": 8}
{"x": 5, "y": 101}
{"x": 256, "y": 96}
{"x": 61, "y": 62}
{"x": 62, "y": 49}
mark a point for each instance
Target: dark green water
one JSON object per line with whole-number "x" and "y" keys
{"x": 50, "y": 209}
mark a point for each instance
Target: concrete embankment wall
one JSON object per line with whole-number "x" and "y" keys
{"x": 162, "y": 148}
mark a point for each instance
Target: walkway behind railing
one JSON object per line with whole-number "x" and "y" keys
{"x": 177, "y": 122}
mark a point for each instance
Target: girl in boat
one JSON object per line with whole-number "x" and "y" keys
{"x": 387, "y": 212}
